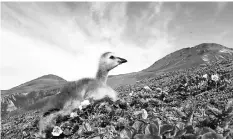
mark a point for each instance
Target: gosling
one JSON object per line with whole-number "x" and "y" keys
{"x": 74, "y": 92}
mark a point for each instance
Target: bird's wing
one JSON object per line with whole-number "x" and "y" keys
{"x": 71, "y": 90}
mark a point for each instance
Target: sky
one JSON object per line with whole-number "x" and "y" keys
{"x": 67, "y": 38}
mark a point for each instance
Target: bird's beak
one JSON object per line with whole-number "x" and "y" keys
{"x": 121, "y": 60}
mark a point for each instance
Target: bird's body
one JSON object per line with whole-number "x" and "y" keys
{"x": 78, "y": 91}
{"x": 73, "y": 93}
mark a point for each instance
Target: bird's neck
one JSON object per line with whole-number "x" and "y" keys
{"x": 102, "y": 75}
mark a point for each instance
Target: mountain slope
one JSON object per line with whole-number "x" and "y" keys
{"x": 199, "y": 55}
{"x": 205, "y": 53}
{"x": 42, "y": 83}
{"x": 30, "y": 93}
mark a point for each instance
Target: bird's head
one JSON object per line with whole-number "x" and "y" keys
{"x": 109, "y": 61}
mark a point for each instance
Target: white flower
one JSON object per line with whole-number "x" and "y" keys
{"x": 85, "y": 103}
{"x": 205, "y": 76}
{"x": 57, "y": 131}
{"x": 130, "y": 94}
{"x": 144, "y": 114}
{"x": 80, "y": 107}
{"x": 215, "y": 77}
{"x": 73, "y": 114}
{"x": 147, "y": 88}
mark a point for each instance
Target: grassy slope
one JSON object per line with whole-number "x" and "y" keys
{"x": 47, "y": 82}
{"x": 181, "y": 59}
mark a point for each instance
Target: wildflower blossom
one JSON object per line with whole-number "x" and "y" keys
{"x": 130, "y": 94}
{"x": 73, "y": 114}
{"x": 84, "y": 104}
{"x": 215, "y": 77}
{"x": 25, "y": 133}
{"x": 144, "y": 114}
{"x": 205, "y": 76}
{"x": 57, "y": 131}
{"x": 147, "y": 88}
{"x": 80, "y": 107}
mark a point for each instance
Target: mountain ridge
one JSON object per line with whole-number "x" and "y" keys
{"x": 43, "y": 82}
{"x": 199, "y": 55}
{"x": 192, "y": 54}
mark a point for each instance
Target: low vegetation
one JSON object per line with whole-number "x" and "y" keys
{"x": 194, "y": 103}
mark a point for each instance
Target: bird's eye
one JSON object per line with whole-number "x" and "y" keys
{"x": 111, "y": 57}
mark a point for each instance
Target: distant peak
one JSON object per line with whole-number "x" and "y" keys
{"x": 51, "y": 76}
{"x": 192, "y": 56}
{"x": 208, "y": 45}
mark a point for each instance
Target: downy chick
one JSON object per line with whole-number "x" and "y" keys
{"x": 95, "y": 88}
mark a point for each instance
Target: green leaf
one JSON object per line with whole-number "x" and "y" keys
{"x": 139, "y": 126}
{"x": 189, "y": 129}
{"x": 126, "y": 134}
{"x": 142, "y": 136}
{"x": 87, "y": 127}
{"x": 189, "y": 136}
{"x": 152, "y": 129}
{"x": 229, "y": 104}
{"x": 190, "y": 118}
{"x": 211, "y": 135}
{"x": 229, "y": 110}
{"x": 179, "y": 112}
{"x": 214, "y": 110}
{"x": 157, "y": 122}
{"x": 133, "y": 131}
{"x": 205, "y": 130}
{"x": 180, "y": 132}
{"x": 166, "y": 128}
{"x": 180, "y": 125}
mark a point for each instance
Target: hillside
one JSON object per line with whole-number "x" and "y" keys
{"x": 205, "y": 53}
{"x": 45, "y": 82}
{"x": 181, "y": 104}
{"x": 199, "y": 55}
{"x": 29, "y": 93}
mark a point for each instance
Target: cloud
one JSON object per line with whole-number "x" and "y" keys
{"x": 151, "y": 26}
{"x": 66, "y": 39}
{"x": 98, "y": 22}
{"x": 220, "y": 7}
{"x": 222, "y": 35}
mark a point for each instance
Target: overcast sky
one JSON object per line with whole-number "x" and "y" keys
{"x": 66, "y": 39}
